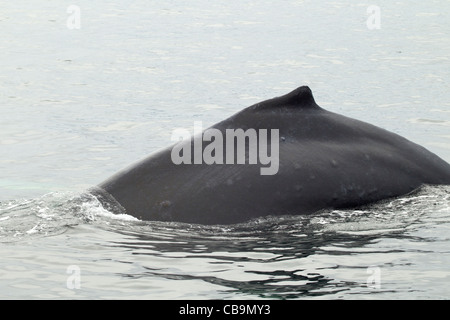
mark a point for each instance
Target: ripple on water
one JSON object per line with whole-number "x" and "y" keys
{"x": 331, "y": 254}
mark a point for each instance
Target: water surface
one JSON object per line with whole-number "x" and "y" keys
{"x": 77, "y": 105}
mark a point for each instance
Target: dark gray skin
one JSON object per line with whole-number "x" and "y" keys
{"x": 326, "y": 161}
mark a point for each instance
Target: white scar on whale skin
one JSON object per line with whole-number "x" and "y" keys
{"x": 213, "y": 152}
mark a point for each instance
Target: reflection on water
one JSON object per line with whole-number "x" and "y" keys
{"x": 332, "y": 254}
{"x": 270, "y": 259}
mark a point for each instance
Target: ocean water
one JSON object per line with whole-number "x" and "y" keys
{"x": 79, "y": 104}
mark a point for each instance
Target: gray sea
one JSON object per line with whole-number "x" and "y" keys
{"x": 89, "y": 87}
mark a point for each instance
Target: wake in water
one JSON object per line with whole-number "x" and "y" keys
{"x": 326, "y": 254}
{"x": 50, "y": 214}
{"x": 56, "y": 212}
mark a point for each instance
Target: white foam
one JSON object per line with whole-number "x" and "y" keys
{"x": 121, "y": 216}
{"x": 33, "y": 230}
{"x": 93, "y": 209}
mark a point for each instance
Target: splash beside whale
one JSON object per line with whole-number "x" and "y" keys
{"x": 324, "y": 160}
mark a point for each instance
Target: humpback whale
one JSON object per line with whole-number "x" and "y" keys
{"x": 320, "y": 160}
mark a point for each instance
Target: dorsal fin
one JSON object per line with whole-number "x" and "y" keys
{"x": 299, "y": 98}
